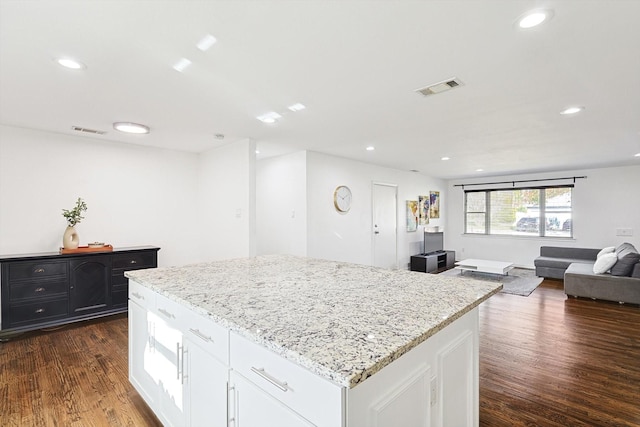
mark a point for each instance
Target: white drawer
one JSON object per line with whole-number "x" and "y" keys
{"x": 213, "y": 338}
{"x": 315, "y": 398}
{"x": 210, "y": 336}
{"x": 144, "y": 297}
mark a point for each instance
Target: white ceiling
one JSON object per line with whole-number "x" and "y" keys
{"x": 354, "y": 64}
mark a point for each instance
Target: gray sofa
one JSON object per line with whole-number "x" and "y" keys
{"x": 575, "y": 266}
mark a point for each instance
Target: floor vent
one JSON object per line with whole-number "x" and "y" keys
{"x": 440, "y": 87}
{"x": 86, "y": 130}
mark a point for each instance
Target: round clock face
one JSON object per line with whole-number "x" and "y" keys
{"x": 342, "y": 198}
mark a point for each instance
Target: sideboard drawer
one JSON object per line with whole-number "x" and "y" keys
{"x": 38, "y": 312}
{"x": 37, "y": 289}
{"x": 31, "y": 270}
{"x": 134, "y": 261}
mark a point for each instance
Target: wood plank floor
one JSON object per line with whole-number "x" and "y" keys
{"x": 544, "y": 361}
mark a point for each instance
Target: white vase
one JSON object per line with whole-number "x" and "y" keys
{"x": 70, "y": 239}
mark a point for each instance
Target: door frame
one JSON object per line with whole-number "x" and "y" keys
{"x": 373, "y": 203}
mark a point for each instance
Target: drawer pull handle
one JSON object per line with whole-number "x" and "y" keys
{"x": 133, "y": 261}
{"x": 260, "y": 372}
{"x": 40, "y": 310}
{"x": 200, "y": 335}
{"x": 39, "y": 270}
{"x": 137, "y": 295}
{"x": 166, "y": 313}
{"x": 40, "y": 289}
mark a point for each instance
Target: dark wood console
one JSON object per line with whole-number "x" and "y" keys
{"x": 51, "y": 289}
{"x": 433, "y": 263}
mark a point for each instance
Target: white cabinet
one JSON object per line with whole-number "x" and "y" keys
{"x": 253, "y": 407}
{"x": 205, "y": 382}
{"x": 193, "y": 372}
{"x": 175, "y": 361}
{"x": 141, "y": 370}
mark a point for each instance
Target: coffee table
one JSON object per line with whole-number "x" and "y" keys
{"x": 484, "y": 266}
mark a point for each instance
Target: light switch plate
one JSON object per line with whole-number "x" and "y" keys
{"x": 624, "y": 232}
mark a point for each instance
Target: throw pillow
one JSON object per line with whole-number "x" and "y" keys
{"x": 625, "y": 264}
{"x": 606, "y": 250}
{"x": 604, "y": 263}
{"x": 625, "y": 247}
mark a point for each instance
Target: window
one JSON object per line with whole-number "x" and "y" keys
{"x": 520, "y": 212}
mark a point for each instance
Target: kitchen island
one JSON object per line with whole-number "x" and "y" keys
{"x": 292, "y": 341}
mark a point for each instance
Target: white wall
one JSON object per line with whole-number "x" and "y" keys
{"x": 607, "y": 199}
{"x": 135, "y": 195}
{"x": 281, "y": 195}
{"x": 227, "y": 202}
{"x": 348, "y": 237}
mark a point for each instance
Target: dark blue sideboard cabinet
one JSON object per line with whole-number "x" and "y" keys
{"x": 51, "y": 289}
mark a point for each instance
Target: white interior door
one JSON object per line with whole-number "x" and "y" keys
{"x": 385, "y": 226}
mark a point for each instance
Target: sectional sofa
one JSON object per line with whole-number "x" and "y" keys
{"x": 611, "y": 274}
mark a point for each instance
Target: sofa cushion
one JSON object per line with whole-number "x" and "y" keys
{"x": 563, "y": 263}
{"x": 604, "y": 263}
{"x": 606, "y": 250}
{"x": 636, "y": 271}
{"x": 625, "y": 264}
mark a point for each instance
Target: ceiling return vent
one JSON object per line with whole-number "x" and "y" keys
{"x": 440, "y": 87}
{"x": 85, "y": 130}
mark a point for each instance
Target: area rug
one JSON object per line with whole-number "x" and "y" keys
{"x": 520, "y": 281}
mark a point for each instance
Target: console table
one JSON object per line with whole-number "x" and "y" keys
{"x": 433, "y": 262}
{"x": 51, "y": 289}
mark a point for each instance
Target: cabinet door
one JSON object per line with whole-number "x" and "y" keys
{"x": 90, "y": 280}
{"x": 252, "y": 407}
{"x": 168, "y": 358}
{"x": 205, "y": 387}
{"x": 142, "y": 369}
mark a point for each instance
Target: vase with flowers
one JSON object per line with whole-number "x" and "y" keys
{"x": 70, "y": 239}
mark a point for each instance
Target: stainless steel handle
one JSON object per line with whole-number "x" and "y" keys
{"x": 261, "y": 372}
{"x": 184, "y": 350}
{"x": 178, "y": 360}
{"x": 137, "y": 295}
{"x": 200, "y": 335}
{"x": 40, "y": 310}
{"x": 133, "y": 261}
{"x": 166, "y": 313}
{"x": 41, "y": 289}
{"x": 376, "y": 232}
{"x": 39, "y": 270}
{"x": 231, "y": 405}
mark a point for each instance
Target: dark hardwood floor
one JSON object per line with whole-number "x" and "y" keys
{"x": 544, "y": 361}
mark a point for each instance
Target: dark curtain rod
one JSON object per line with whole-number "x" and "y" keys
{"x": 524, "y": 180}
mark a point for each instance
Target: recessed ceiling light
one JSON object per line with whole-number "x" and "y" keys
{"x": 206, "y": 42}
{"x": 479, "y": 170}
{"x": 71, "y": 63}
{"x": 131, "y": 127}
{"x": 296, "y": 107}
{"x": 181, "y": 65}
{"x": 269, "y": 117}
{"x": 534, "y": 18}
{"x": 445, "y": 158}
{"x": 636, "y": 155}
{"x": 371, "y": 148}
{"x": 571, "y": 110}
{"x": 257, "y": 151}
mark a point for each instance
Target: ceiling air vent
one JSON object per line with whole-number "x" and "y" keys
{"x": 85, "y": 130}
{"x": 440, "y": 87}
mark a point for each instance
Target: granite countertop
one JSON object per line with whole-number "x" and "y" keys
{"x": 342, "y": 321}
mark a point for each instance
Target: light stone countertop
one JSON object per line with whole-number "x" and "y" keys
{"x": 342, "y": 321}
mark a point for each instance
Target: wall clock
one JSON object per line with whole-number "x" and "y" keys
{"x": 342, "y": 198}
